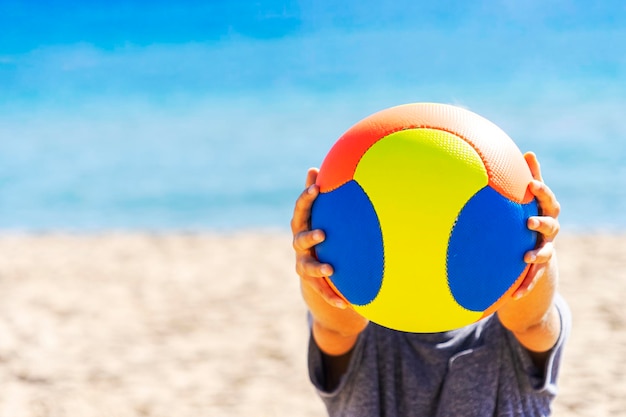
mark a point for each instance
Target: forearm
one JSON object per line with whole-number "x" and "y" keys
{"x": 543, "y": 335}
{"x": 332, "y": 342}
{"x": 335, "y": 330}
{"x": 534, "y": 319}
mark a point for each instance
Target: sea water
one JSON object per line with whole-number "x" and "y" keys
{"x": 241, "y": 165}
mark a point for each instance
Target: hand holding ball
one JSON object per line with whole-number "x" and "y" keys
{"x": 424, "y": 207}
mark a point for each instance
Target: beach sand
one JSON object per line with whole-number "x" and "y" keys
{"x": 181, "y": 325}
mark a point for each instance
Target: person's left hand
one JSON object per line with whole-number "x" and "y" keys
{"x": 546, "y": 224}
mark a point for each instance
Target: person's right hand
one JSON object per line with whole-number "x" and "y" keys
{"x": 311, "y": 271}
{"x": 336, "y": 325}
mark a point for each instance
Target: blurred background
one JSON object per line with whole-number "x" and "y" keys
{"x": 205, "y": 115}
{"x": 168, "y": 117}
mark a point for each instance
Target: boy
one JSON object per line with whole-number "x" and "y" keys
{"x": 504, "y": 365}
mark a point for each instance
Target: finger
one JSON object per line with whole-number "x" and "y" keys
{"x": 529, "y": 281}
{"x": 546, "y": 198}
{"x": 308, "y": 266}
{"x": 540, "y": 255}
{"x": 302, "y": 210}
{"x": 304, "y": 241}
{"x": 321, "y": 286}
{"x": 311, "y": 176}
{"x": 548, "y": 226}
{"x": 533, "y": 164}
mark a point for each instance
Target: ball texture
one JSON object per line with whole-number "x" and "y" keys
{"x": 424, "y": 207}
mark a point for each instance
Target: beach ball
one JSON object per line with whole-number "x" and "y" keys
{"x": 424, "y": 207}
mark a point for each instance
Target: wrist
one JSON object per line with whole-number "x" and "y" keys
{"x": 333, "y": 342}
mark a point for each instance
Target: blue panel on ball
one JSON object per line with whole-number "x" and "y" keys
{"x": 486, "y": 248}
{"x": 354, "y": 243}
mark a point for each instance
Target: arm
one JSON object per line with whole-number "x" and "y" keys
{"x": 336, "y": 326}
{"x": 532, "y": 315}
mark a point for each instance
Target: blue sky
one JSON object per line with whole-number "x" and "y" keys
{"x": 102, "y": 76}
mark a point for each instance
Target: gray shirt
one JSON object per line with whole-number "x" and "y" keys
{"x": 480, "y": 370}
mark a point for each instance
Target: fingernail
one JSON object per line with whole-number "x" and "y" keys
{"x": 317, "y": 236}
{"x": 326, "y": 270}
{"x": 311, "y": 189}
{"x": 517, "y": 295}
{"x": 531, "y": 257}
{"x": 340, "y": 304}
{"x": 533, "y": 223}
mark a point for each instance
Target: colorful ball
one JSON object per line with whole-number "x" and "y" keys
{"x": 424, "y": 207}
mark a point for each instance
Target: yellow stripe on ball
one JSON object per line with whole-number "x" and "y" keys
{"x": 433, "y": 173}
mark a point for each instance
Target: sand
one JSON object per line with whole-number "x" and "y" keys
{"x": 181, "y": 325}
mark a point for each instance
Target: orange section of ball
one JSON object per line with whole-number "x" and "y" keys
{"x": 508, "y": 174}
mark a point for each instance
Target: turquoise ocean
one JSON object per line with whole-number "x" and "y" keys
{"x": 204, "y": 116}
{"x": 223, "y": 164}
